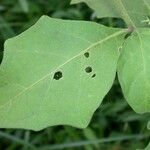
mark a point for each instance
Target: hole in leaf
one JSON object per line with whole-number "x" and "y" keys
{"x": 88, "y": 69}
{"x": 127, "y": 35}
{"x": 94, "y": 75}
{"x": 86, "y": 54}
{"x": 58, "y": 75}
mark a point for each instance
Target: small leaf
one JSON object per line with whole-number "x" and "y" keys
{"x": 43, "y": 79}
{"x": 134, "y": 72}
{"x": 134, "y": 12}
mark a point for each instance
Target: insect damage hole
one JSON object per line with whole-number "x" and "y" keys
{"x": 88, "y": 69}
{"x": 86, "y": 54}
{"x": 58, "y": 75}
{"x": 94, "y": 75}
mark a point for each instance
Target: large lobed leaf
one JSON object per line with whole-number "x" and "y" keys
{"x": 57, "y": 72}
{"x": 134, "y": 72}
{"x": 134, "y": 12}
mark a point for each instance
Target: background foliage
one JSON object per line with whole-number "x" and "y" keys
{"x": 115, "y": 126}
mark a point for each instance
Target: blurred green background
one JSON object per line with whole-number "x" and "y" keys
{"x": 114, "y": 126}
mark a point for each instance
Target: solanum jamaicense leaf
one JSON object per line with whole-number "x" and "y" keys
{"x": 57, "y": 72}
{"x": 134, "y": 72}
{"x": 134, "y": 12}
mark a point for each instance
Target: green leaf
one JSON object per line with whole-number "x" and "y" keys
{"x": 148, "y": 147}
{"x": 134, "y": 72}
{"x": 134, "y": 12}
{"x": 57, "y": 72}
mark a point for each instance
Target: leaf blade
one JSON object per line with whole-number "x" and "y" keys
{"x": 135, "y": 12}
{"x": 133, "y": 71}
{"x": 34, "y": 99}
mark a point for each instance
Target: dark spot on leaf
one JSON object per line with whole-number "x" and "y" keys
{"x": 88, "y": 69}
{"x": 86, "y": 54}
{"x": 58, "y": 75}
{"x": 94, "y": 75}
{"x": 127, "y": 35}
